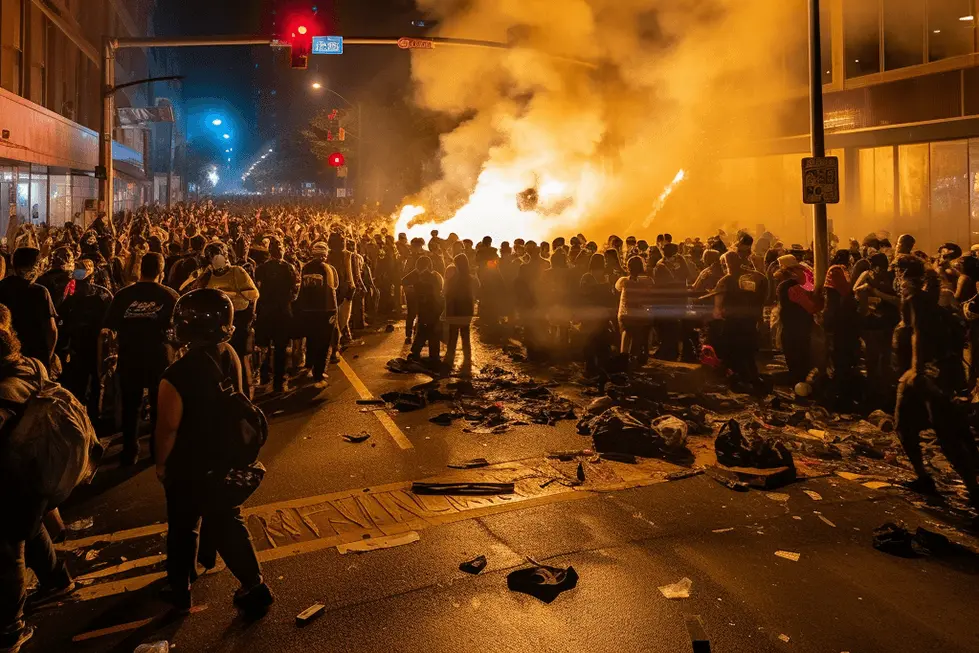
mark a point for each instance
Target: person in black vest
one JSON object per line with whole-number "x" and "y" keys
{"x": 278, "y": 283}
{"x": 188, "y": 451}
{"x": 317, "y": 309}
{"x": 139, "y": 315}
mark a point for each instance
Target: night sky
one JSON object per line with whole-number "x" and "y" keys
{"x": 227, "y": 78}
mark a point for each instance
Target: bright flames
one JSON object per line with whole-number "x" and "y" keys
{"x": 492, "y": 210}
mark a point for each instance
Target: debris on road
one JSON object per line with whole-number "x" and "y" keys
{"x": 474, "y": 566}
{"x": 734, "y": 449}
{"x": 789, "y": 555}
{"x": 404, "y": 402}
{"x": 542, "y": 582}
{"x": 785, "y": 638}
{"x": 154, "y": 647}
{"x": 812, "y": 494}
{"x": 727, "y": 479}
{"x": 468, "y": 489}
{"x": 895, "y": 539}
{"x": 370, "y": 402}
{"x": 678, "y": 590}
{"x": 81, "y": 524}
{"x": 777, "y": 496}
{"x": 357, "y": 437}
{"x": 470, "y": 464}
{"x": 614, "y": 456}
{"x": 686, "y": 473}
{"x": 377, "y": 543}
{"x": 405, "y": 366}
{"x": 697, "y": 633}
{"x": 310, "y": 613}
{"x": 826, "y": 521}
{"x": 723, "y": 530}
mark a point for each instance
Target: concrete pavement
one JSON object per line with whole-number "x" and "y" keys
{"x": 841, "y": 595}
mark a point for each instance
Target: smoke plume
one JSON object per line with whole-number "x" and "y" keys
{"x": 669, "y": 85}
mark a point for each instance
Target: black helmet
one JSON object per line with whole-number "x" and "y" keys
{"x": 214, "y": 248}
{"x": 203, "y": 317}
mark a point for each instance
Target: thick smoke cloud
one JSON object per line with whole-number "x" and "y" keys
{"x": 670, "y": 84}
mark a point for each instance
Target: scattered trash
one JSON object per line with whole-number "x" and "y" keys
{"x": 785, "y": 638}
{"x": 569, "y": 455}
{"x": 357, "y": 438}
{"x": 468, "y": 489}
{"x": 866, "y": 450}
{"x": 815, "y": 496}
{"x": 474, "y": 566}
{"x": 672, "y": 430}
{"x": 627, "y": 458}
{"x": 623, "y": 431}
{"x": 697, "y": 633}
{"x": 728, "y": 480}
{"x": 404, "y": 402}
{"x": 389, "y": 328}
{"x": 91, "y": 555}
{"x": 826, "y": 521}
{"x": 876, "y": 485}
{"x": 580, "y": 473}
{"x": 405, "y": 366}
{"x": 789, "y": 555}
{"x": 376, "y": 543}
{"x": 777, "y": 496}
{"x": 155, "y": 647}
{"x": 733, "y": 449}
{"x": 444, "y": 419}
{"x": 881, "y": 420}
{"x": 600, "y": 405}
{"x": 894, "y": 538}
{"x": 309, "y": 614}
{"x": 723, "y": 530}
{"x": 81, "y": 524}
{"x": 542, "y": 582}
{"x": 370, "y": 402}
{"x": 470, "y": 464}
{"x": 678, "y": 590}
{"x": 687, "y": 473}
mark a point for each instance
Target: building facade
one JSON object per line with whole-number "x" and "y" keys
{"x": 50, "y": 106}
{"x": 901, "y": 95}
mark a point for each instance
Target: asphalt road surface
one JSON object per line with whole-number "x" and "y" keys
{"x": 627, "y": 531}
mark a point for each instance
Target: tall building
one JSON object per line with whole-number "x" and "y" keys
{"x": 901, "y": 93}
{"x": 50, "y": 106}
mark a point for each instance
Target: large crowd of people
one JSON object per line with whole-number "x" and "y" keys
{"x": 187, "y": 304}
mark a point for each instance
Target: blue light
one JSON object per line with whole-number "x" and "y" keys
{"x": 226, "y": 136}
{"x": 216, "y": 122}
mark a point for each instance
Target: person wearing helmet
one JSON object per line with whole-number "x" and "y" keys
{"x": 188, "y": 450}
{"x": 238, "y": 284}
{"x": 57, "y": 278}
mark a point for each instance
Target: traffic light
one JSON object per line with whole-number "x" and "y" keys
{"x": 336, "y": 160}
{"x": 333, "y": 126}
{"x": 301, "y": 42}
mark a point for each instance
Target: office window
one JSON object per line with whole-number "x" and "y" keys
{"x": 904, "y": 30}
{"x": 37, "y": 45}
{"x": 951, "y": 28}
{"x": 861, "y": 28}
{"x": 11, "y": 45}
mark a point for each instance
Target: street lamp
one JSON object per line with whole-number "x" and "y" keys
{"x": 216, "y": 122}
{"x": 317, "y": 85}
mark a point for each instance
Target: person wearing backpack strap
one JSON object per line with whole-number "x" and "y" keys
{"x": 24, "y": 540}
{"x": 202, "y": 423}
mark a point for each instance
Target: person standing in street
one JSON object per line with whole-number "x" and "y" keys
{"x": 460, "y": 307}
{"x": 192, "y": 456}
{"x": 317, "y": 307}
{"x": 57, "y": 278}
{"x": 278, "y": 285}
{"x": 32, "y": 311}
{"x": 139, "y": 316}
{"x": 427, "y": 285}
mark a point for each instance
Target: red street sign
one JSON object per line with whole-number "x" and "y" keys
{"x": 406, "y": 43}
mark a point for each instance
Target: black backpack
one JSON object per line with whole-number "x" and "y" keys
{"x": 241, "y": 427}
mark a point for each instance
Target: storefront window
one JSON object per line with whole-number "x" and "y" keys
{"x": 38, "y": 195}
{"x": 59, "y": 202}
{"x": 861, "y": 28}
{"x": 913, "y": 191}
{"x": 949, "y": 193}
{"x": 904, "y": 25}
{"x": 974, "y": 191}
{"x": 951, "y": 28}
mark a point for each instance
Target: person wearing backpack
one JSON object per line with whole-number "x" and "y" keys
{"x": 24, "y": 540}
{"x": 207, "y": 436}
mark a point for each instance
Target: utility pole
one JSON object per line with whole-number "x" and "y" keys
{"x": 818, "y": 138}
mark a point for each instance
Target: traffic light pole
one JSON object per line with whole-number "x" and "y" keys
{"x": 819, "y": 221}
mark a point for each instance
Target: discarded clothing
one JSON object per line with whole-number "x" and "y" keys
{"x": 672, "y": 431}
{"x": 542, "y": 582}
{"x": 733, "y": 449}
{"x": 357, "y": 438}
{"x": 404, "y": 402}
{"x": 405, "y": 366}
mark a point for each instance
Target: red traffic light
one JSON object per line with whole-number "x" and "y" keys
{"x": 336, "y": 160}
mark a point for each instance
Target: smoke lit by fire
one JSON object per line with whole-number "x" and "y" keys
{"x": 670, "y": 84}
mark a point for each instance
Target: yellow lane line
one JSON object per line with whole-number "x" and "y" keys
{"x": 396, "y": 434}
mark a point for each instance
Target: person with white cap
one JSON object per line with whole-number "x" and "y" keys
{"x": 83, "y": 315}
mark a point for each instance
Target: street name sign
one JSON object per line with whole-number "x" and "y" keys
{"x": 821, "y": 180}
{"x": 327, "y": 45}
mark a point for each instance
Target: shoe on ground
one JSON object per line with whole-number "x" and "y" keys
{"x": 46, "y": 595}
{"x": 254, "y": 602}
{"x": 12, "y": 643}
{"x": 922, "y": 485}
